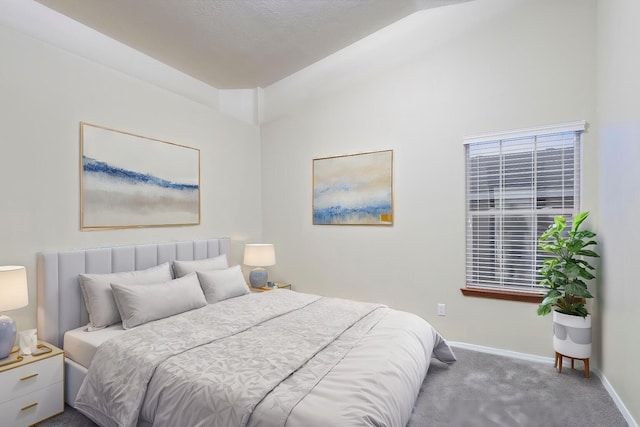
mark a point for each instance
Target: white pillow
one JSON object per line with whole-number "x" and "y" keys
{"x": 98, "y": 297}
{"x": 182, "y": 268}
{"x": 219, "y": 285}
{"x": 140, "y": 304}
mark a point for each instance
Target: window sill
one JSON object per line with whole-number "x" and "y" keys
{"x": 503, "y": 295}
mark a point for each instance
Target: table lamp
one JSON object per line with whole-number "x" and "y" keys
{"x": 259, "y": 255}
{"x": 13, "y": 294}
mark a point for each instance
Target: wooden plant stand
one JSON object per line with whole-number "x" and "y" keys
{"x": 573, "y": 359}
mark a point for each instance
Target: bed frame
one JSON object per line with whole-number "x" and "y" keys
{"x": 60, "y": 302}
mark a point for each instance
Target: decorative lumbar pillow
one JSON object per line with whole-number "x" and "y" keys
{"x": 182, "y": 268}
{"x": 98, "y": 297}
{"x": 219, "y": 285}
{"x": 140, "y": 304}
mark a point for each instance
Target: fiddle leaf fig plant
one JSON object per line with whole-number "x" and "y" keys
{"x": 565, "y": 272}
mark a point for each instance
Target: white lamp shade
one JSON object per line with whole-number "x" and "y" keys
{"x": 259, "y": 255}
{"x": 13, "y": 288}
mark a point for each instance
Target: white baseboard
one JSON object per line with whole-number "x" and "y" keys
{"x": 501, "y": 352}
{"x": 616, "y": 399}
{"x": 541, "y": 359}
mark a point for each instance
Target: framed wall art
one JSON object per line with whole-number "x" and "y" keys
{"x": 355, "y": 189}
{"x": 128, "y": 181}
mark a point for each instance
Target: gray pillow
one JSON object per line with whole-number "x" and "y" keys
{"x": 182, "y": 268}
{"x": 140, "y": 304}
{"x": 219, "y": 285}
{"x": 98, "y": 297}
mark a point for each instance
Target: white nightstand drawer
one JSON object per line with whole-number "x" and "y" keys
{"x": 31, "y": 377}
{"x": 33, "y": 407}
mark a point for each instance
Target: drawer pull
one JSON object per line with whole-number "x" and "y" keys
{"x": 28, "y": 377}
{"x": 33, "y": 405}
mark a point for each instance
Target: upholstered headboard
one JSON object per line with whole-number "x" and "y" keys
{"x": 60, "y": 302}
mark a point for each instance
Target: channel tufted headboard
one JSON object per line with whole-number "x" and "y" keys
{"x": 60, "y": 302}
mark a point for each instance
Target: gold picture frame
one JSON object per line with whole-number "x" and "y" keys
{"x": 131, "y": 181}
{"x": 353, "y": 189}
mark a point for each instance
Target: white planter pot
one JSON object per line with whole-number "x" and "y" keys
{"x": 572, "y": 335}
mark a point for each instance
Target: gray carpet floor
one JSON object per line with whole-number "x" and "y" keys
{"x": 482, "y": 389}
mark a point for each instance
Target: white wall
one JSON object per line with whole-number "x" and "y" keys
{"x": 619, "y": 119}
{"x": 44, "y": 93}
{"x": 419, "y": 87}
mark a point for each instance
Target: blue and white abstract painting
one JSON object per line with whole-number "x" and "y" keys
{"x": 354, "y": 190}
{"x": 129, "y": 180}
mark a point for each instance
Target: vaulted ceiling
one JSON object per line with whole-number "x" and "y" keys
{"x": 233, "y": 44}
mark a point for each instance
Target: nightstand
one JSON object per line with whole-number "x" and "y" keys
{"x": 266, "y": 288}
{"x": 32, "y": 388}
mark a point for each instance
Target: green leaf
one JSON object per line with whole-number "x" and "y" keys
{"x": 586, "y": 275}
{"x": 575, "y": 245}
{"x": 591, "y": 242}
{"x": 581, "y": 310}
{"x": 587, "y": 252}
{"x": 547, "y": 235}
{"x": 585, "y": 234}
{"x": 579, "y": 219}
{"x": 572, "y": 270}
{"x": 543, "y": 310}
{"x": 578, "y": 289}
{"x": 551, "y": 297}
{"x": 575, "y": 309}
{"x": 549, "y": 248}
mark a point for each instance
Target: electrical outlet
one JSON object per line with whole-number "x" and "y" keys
{"x": 441, "y": 310}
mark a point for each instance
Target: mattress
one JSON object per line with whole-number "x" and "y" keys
{"x": 81, "y": 345}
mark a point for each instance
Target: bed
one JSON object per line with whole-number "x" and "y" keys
{"x": 258, "y": 359}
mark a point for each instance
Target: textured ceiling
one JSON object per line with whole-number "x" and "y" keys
{"x": 232, "y": 44}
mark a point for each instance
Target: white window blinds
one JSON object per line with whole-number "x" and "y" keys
{"x": 516, "y": 183}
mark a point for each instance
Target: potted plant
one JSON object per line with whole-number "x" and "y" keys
{"x": 564, "y": 273}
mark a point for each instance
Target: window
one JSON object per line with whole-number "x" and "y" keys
{"x": 517, "y": 182}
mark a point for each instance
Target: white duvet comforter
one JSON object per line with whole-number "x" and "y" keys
{"x": 270, "y": 359}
